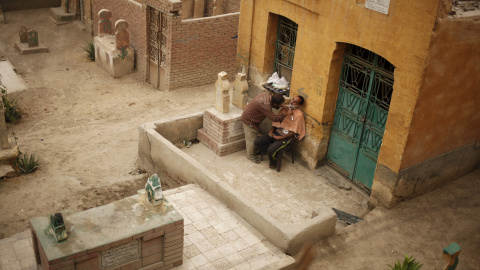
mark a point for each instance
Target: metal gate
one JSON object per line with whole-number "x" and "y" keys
{"x": 365, "y": 90}
{"x": 157, "y": 36}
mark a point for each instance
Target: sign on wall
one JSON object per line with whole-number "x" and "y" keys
{"x": 378, "y": 5}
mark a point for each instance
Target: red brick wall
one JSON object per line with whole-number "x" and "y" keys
{"x": 201, "y": 48}
{"x": 135, "y": 15}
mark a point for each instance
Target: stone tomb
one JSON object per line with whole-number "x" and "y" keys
{"x": 222, "y": 132}
{"x": 112, "y": 236}
{"x": 65, "y": 13}
{"x": 29, "y": 42}
{"x": 109, "y": 58}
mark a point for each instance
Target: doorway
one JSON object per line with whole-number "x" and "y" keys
{"x": 365, "y": 91}
{"x": 157, "y": 36}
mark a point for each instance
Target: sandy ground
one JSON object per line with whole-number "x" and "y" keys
{"x": 83, "y": 126}
{"x": 81, "y": 123}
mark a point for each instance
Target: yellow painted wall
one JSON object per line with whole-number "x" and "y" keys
{"x": 447, "y": 115}
{"x": 402, "y": 37}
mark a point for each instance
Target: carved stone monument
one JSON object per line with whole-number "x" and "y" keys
{"x": 23, "y": 34}
{"x": 240, "y": 89}
{"x": 32, "y": 38}
{"x": 122, "y": 38}
{"x": 199, "y": 8}
{"x": 104, "y": 24}
{"x": 222, "y": 130}
{"x": 222, "y": 98}
{"x": 217, "y": 7}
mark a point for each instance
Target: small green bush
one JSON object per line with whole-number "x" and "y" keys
{"x": 27, "y": 164}
{"x": 12, "y": 112}
{"x": 408, "y": 264}
{"x": 89, "y": 48}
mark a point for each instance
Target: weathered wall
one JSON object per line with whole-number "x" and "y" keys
{"x": 13, "y": 5}
{"x": 135, "y": 14}
{"x": 443, "y": 142}
{"x": 402, "y": 37}
{"x": 447, "y": 113}
{"x": 201, "y": 48}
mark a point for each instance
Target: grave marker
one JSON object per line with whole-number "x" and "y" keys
{"x": 32, "y": 38}
{"x": 23, "y": 32}
{"x": 222, "y": 98}
{"x": 240, "y": 89}
{"x": 104, "y": 24}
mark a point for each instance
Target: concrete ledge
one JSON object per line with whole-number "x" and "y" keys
{"x": 24, "y": 49}
{"x": 159, "y": 155}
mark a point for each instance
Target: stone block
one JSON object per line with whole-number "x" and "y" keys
{"x": 199, "y": 8}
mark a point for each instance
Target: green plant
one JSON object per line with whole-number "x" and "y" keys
{"x": 123, "y": 54}
{"x": 27, "y": 164}
{"x": 408, "y": 264}
{"x": 89, "y": 48}
{"x": 12, "y": 112}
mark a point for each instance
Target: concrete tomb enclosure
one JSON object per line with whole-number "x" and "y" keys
{"x": 128, "y": 233}
{"x": 157, "y": 153}
{"x": 113, "y": 52}
{"x": 29, "y": 42}
{"x": 65, "y": 13}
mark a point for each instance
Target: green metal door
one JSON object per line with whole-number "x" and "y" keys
{"x": 365, "y": 90}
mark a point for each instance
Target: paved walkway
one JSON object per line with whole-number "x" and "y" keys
{"x": 215, "y": 238}
{"x": 291, "y": 195}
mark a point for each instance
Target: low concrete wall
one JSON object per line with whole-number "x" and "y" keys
{"x": 157, "y": 154}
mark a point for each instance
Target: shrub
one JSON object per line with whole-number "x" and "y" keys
{"x": 27, "y": 164}
{"x": 12, "y": 112}
{"x": 408, "y": 264}
{"x": 90, "y": 49}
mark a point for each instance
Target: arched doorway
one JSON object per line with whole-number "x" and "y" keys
{"x": 365, "y": 91}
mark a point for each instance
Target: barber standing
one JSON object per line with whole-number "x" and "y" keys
{"x": 255, "y": 112}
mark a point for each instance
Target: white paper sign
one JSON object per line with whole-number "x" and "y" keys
{"x": 378, "y": 5}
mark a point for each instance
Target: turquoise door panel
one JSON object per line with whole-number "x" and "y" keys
{"x": 342, "y": 153}
{"x": 365, "y": 90}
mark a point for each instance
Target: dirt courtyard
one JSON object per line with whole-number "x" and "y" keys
{"x": 82, "y": 124}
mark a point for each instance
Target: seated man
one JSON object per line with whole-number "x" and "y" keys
{"x": 281, "y": 134}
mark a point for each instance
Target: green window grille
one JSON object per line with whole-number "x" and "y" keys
{"x": 285, "y": 45}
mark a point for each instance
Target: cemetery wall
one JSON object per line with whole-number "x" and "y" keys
{"x": 134, "y": 13}
{"x": 201, "y": 48}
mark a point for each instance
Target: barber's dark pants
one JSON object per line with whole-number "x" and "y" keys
{"x": 269, "y": 145}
